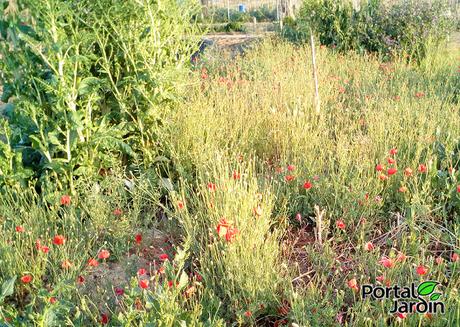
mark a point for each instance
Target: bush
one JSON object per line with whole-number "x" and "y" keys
{"x": 87, "y": 82}
{"x": 405, "y": 26}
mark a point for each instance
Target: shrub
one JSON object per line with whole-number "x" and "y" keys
{"x": 87, "y": 82}
{"x": 404, "y": 26}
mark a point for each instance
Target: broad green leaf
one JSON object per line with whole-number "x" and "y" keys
{"x": 426, "y": 288}
{"x": 435, "y": 296}
{"x": 7, "y": 288}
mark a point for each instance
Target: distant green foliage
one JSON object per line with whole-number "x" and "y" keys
{"x": 87, "y": 83}
{"x": 405, "y": 27}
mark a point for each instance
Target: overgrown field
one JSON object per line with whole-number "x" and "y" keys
{"x": 221, "y": 197}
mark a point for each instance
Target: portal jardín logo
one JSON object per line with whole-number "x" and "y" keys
{"x": 421, "y": 298}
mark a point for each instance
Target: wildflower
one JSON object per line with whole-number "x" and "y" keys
{"x": 180, "y": 205}
{"x": 164, "y": 257}
{"x": 117, "y": 212}
{"x": 20, "y": 229}
{"x": 340, "y": 224}
{"x": 198, "y": 277}
{"x": 119, "y": 291}
{"x": 258, "y": 211}
{"x": 236, "y": 175}
{"x": 393, "y": 151}
{"x": 289, "y": 178}
{"x": 408, "y": 172}
{"x": 161, "y": 270}
{"x": 26, "y": 279}
{"x": 141, "y": 271}
{"x": 138, "y": 239}
{"x": 279, "y": 170}
{"x": 383, "y": 177}
{"x": 392, "y": 171}
{"x": 391, "y": 161}
{"x": 369, "y": 246}
{"x": 231, "y": 234}
{"x": 222, "y": 227}
{"x": 402, "y": 189}
{"x": 291, "y": 167}
{"x": 454, "y": 257}
{"x": 401, "y": 257}
{"x": 104, "y": 319}
{"x": 190, "y": 291}
{"x": 421, "y": 270}
{"x": 66, "y": 264}
{"x": 52, "y": 300}
{"x": 103, "y": 254}
{"x": 401, "y": 315}
{"x": 439, "y": 260}
{"x": 248, "y": 314}
{"x": 387, "y": 262}
{"x": 144, "y": 283}
{"x": 316, "y": 178}
{"x": 59, "y": 240}
{"x": 380, "y": 278}
{"x": 45, "y": 249}
{"x": 298, "y": 217}
{"x": 379, "y": 167}
{"x": 458, "y": 188}
{"x": 211, "y": 187}
{"x": 422, "y": 168}
{"x": 307, "y": 185}
{"x": 65, "y": 200}
{"x": 93, "y": 262}
{"x": 419, "y": 95}
{"x": 353, "y": 284}
{"x": 80, "y": 280}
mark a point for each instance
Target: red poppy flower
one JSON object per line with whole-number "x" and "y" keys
{"x": 408, "y": 172}
{"x": 421, "y": 270}
{"x": 401, "y": 315}
{"x": 289, "y": 178}
{"x": 369, "y": 246}
{"x": 26, "y": 279}
{"x": 117, "y": 212}
{"x": 419, "y": 95}
{"x": 20, "y": 229}
{"x": 144, "y": 283}
{"x": 65, "y": 200}
{"x": 80, "y": 279}
{"x": 393, "y": 151}
{"x": 422, "y": 168}
{"x": 380, "y": 278}
{"x": 59, "y": 240}
{"x": 439, "y": 260}
{"x": 458, "y": 188}
{"x": 236, "y": 175}
{"x": 222, "y": 227}
{"x": 383, "y": 177}
{"x": 307, "y": 185}
{"x": 402, "y": 189}
{"x": 392, "y": 171}
{"x": 161, "y": 270}
{"x": 291, "y": 167}
{"x": 248, "y": 314}
{"x": 180, "y": 205}
{"x": 401, "y": 257}
{"x": 93, "y": 262}
{"x": 164, "y": 257}
{"x": 104, "y": 319}
{"x": 231, "y": 234}
{"x": 454, "y": 257}
{"x": 391, "y": 161}
{"x": 340, "y": 224}
{"x": 387, "y": 262}
{"x": 141, "y": 272}
{"x": 211, "y": 187}
{"x": 138, "y": 239}
{"x": 198, "y": 277}
{"x": 353, "y": 284}
{"x": 66, "y": 264}
{"x": 45, "y": 249}
{"x": 170, "y": 283}
{"x": 119, "y": 291}
{"x": 103, "y": 254}
{"x": 379, "y": 167}
{"x": 52, "y": 300}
